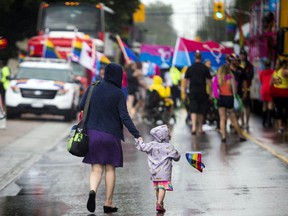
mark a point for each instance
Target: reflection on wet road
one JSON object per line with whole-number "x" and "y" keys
{"x": 239, "y": 179}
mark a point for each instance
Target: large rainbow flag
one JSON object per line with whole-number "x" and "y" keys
{"x": 50, "y": 51}
{"x": 185, "y": 50}
{"x": 158, "y": 54}
{"x": 195, "y": 160}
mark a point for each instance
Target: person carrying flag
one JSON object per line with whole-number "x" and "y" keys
{"x": 160, "y": 154}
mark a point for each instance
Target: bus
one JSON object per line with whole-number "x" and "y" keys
{"x": 62, "y": 21}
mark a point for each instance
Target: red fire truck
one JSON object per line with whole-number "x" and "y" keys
{"x": 62, "y": 21}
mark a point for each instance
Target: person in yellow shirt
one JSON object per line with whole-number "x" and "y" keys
{"x": 175, "y": 74}
{"x": 4, "y": 79}
{"x": 164, "y": 92}
{"x": 279, "y": 93}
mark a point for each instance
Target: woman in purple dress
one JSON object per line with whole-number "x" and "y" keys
{"x": 106, "y": 116}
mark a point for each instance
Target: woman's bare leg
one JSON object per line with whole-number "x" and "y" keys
{"x": 95, "y": 176}
{"x": 222, "y": 114}
{"x": 130, "y": 107}
{"x": 235, "y": 123}
{"x": 110, "y": 178}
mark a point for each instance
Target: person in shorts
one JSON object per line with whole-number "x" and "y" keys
{"x": 197, "y": 76}
{"x": 222, "y": 89}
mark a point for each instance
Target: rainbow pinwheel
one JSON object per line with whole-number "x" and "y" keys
{"x": 194, "y": 159}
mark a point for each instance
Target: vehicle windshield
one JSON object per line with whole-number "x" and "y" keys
{"x": 44, "y": 74}
{"x": 78, "y": 70}
{"x": 67, "y": 18}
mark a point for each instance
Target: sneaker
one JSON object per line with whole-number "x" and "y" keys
{"x": 91, "y": 203}
{"x": 160, "y": 208}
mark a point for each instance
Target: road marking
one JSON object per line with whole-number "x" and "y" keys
{"x": 269, "y": 149}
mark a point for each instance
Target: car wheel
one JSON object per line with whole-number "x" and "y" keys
{"x": 70, "y": 115}
{"x": 12, "y": 114}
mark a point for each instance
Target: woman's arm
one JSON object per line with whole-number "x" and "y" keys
{"x": 125, "y": 117}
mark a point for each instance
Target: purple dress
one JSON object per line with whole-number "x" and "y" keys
{"x": 104, "y": 148}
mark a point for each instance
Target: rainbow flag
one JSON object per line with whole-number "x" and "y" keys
{"x": 194, "y": 159}
{"x": 21, "y": 56}
{"x": 76, "y": 49}
{"x": 50, "y": 51}
{"x": 242, "y": 41}
{"x": 231, "y": 24}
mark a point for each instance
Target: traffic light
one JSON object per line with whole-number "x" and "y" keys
{"x": 219, "y": 12}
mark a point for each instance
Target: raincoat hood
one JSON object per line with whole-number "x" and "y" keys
{"x": 160, "y": 133}
{"x": 113, "y": 74}
{"x": 157, "y": 80}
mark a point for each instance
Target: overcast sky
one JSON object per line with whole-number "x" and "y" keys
{"x": 188, "y": 14}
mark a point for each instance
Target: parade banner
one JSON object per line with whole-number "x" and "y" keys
{"x": 158, "y": 54}
{"x": 185, "y": 50}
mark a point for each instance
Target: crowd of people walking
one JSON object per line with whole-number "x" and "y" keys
{"x": 199, "y": 87}
{"x": 209, "y": 95}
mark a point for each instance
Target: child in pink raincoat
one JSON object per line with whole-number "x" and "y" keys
{"x": 160, "y": 155}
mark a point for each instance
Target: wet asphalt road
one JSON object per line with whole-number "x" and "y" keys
{"x": 239, "y": 179}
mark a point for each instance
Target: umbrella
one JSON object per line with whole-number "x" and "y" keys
{"x": 194, "y": 159}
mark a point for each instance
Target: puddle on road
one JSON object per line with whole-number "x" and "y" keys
{"x": 31, "y": 205}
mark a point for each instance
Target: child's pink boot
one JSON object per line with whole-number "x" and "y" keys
{"x": 160, "y": 208}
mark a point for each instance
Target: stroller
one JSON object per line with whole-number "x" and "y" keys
{"x": 212, "y": 115}
{"x": 155, "y": 108}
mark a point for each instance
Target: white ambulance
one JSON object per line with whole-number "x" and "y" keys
{"x": 43, "y": 86}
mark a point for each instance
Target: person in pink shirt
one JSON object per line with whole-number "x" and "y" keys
{"x": 223, "y": 92}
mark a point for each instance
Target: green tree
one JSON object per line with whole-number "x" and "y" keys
{"x": 18, "y": 19}
{"x": 158, "y": 28}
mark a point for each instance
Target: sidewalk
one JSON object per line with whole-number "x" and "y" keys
{"x": 268, "y": 138}
{"x": 24, "y": 143}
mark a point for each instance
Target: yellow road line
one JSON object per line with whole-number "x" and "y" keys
{"x": 269, "y": 149}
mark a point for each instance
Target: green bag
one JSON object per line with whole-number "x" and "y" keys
{"x": 238, "y": 104}
{"x": 237, "y": 101}
{"x": 78, "y": 142}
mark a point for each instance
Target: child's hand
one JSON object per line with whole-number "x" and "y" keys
{"x": 139, "y": 139}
